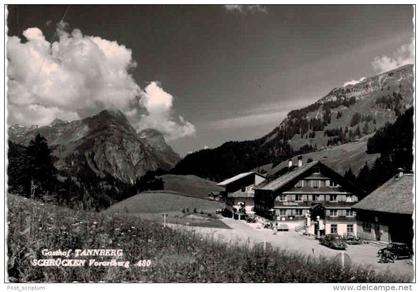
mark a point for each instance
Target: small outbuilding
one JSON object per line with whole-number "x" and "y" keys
{"x": 239, "y": 190}
{"x": 386, "y": 213}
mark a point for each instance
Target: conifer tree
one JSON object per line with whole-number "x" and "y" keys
{"x": 350, "y": 176}
{"x": 40, "y": 169}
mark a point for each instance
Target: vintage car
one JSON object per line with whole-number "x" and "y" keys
{"x": 251, "y": 219}
{"x": 396, "y": 250}
{"x": 352, "y": 239}
{"x": 282, "y": 227}
{"x": 334, "y": 241}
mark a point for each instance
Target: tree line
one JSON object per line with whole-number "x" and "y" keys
{"x": 31, "y": 173}
{"x": 394, "y": 143}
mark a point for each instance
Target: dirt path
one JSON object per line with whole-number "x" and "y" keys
{"x": 243, "y": 233}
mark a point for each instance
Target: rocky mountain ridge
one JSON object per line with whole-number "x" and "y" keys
{"x": 105, "y": 143}
{"x": 344, "y": 115}
{"x": 350, "y": 112}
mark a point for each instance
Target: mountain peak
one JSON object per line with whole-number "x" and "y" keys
{"x": 108, "y": 117}
{"x": 17, "y": 126}
{"x": 366, "y": 86}
{"x": 57, "y": 122}
{"x": 103, "y": 144}
{"x": 150, "y": 133}
{"x": 111, "y": 112}
{"x": 346, "y": 114}
{"x": 155, "y": 139}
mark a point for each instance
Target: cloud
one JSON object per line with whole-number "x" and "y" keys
{"x": 244, "y": 9}
{"x": 262, "y": 114}
{"x": 402, "y": 56}
{"x": 156, "y": 100}
{"x": 354, "y": 82}
{"x": 247, "y": 121}
{"x": 79, "y": 75}
{"x": 159, "y": 116}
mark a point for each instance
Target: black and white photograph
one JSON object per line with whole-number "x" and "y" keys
{"x": 209, "y": 143}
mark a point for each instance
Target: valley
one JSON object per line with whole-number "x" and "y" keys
{"x": 217, "y": 143}
{"x": 103, "y": 184}
{"x": 177, "y": 255}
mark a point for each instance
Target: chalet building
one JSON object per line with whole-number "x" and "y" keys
{"x": 386, "y": 213}
{"x": 309, "y": 196}
{"x": 239, "y": 190}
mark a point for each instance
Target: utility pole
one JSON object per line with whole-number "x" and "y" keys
{"x": 164, "y": 219}
{"x": 33, "y": 188}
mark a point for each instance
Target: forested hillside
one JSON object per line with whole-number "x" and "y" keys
{"x": 31, "y": 173}
{"x": 394, "y": 143}
{"x": 345, "y": 114}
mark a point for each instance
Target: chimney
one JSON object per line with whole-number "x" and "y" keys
{"x": 400, "y": 172}
{"x": 290, "y": 163}
{"x": 300, "y": 161}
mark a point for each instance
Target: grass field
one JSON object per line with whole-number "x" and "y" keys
{"x": 163, "y": 201}
{"x": 176, "y": 255}
{"x": 350, "y": 155}
{"x": 190, "y": 184}
{"x": 190, "y": 219}
{"x": 181, "y": 209}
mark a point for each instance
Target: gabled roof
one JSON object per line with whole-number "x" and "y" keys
{"x": 237, "y": 177}
{"x": 394, "y": 196}
{"x": 263, "y": 168}
{"x": 290, "y": 177}
{"x": 239, "y": 194}
{"x": 287, "y": 177}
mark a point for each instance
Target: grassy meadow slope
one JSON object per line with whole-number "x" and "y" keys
{"x": 180, "y": 209}
{"x": 340, "y": 158}
{"x": 162, "y": 201}
{"x": 189, "y": 184}
{"x": 177, "y": 256}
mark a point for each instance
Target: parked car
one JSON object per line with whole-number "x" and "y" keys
{"x": 282, "y": 227}
{"x": 267, "y": 225}
{"x": 386, "y": 257}
{"x": 227, "y": 213}
{"x": 396, "y": 250}
{"x": 333, "y": 241}
{"x": 251, "y": 219}
{"x": 352, "y": 239}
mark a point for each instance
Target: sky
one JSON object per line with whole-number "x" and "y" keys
{"x": 200, "y": 74}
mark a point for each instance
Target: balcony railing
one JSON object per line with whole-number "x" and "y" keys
{"x": 311, "y": 203}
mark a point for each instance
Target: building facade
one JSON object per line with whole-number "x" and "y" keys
{"x": 239, "y": 192}
{"x": 386, "y": 213}
{"x": 310, "y": 197}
